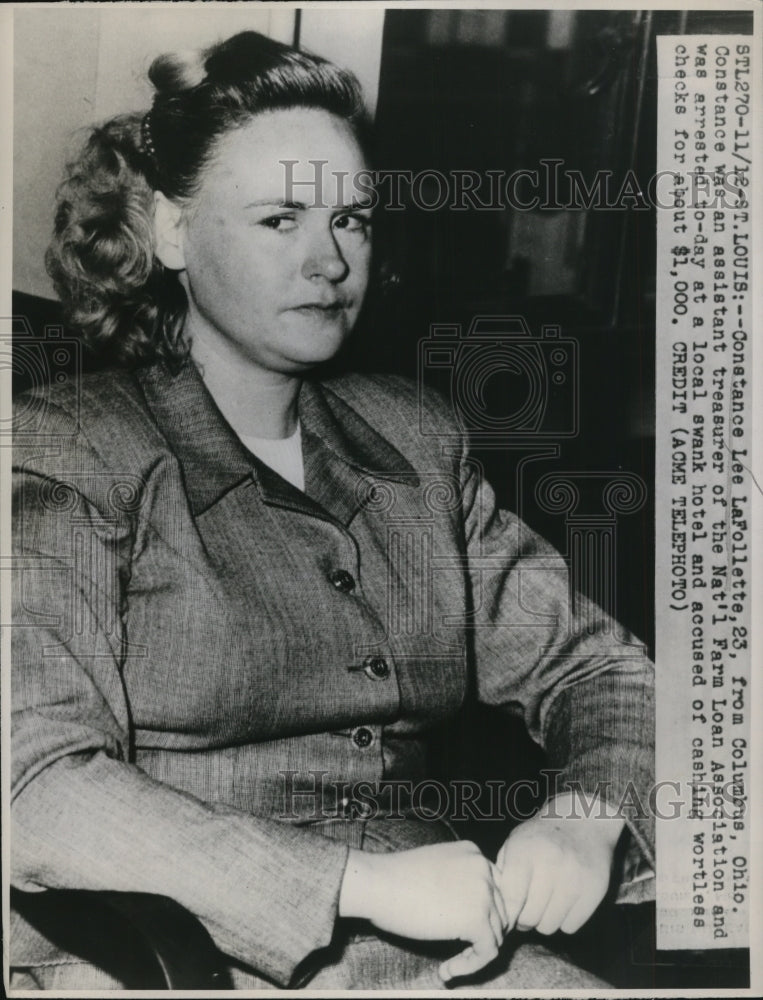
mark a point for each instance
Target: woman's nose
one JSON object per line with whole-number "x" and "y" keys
{"x": 324, "y": 260}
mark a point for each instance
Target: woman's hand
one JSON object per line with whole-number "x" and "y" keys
{"x": 554, "y": 869}
{"x": 438, "y": 892}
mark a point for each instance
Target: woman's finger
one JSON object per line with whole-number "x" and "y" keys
{"x": 513, "y": 882}
{"x": 459, "y": 965}
{"x": 500, "y": 907}
{"x": 470, "y": 960}
{"x": 496, "y": 925}
{"x": 559, "y": 905}
{"x": 538, "y": 896}
{"x": 579, "y": 912}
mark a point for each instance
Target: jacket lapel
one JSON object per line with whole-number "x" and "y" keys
{"x": 343, "y": 454}
{"x": 212, "y": 458}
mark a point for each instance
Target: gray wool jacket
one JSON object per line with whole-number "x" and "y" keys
{"x": 199, "y": 646}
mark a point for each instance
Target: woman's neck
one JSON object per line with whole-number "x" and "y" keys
{"x": 255, "y": 402}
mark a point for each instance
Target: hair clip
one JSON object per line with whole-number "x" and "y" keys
{"x": 147, "y": 142}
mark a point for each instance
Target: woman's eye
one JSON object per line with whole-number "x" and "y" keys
{"x": 353, "y": 223}
{"x": 281, "y": 223}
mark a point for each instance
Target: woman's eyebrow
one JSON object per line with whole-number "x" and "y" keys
{"x": 361, "y": 203}
{"x": 357, "y": 204}
{"x": 276, "y": 203}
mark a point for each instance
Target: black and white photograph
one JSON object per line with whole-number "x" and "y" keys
{"x": 381, "y": 503}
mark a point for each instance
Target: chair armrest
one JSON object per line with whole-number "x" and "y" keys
{"x": 145, "y": 941}
{"x": 179, "y": 942}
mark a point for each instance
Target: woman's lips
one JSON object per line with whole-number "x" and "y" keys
{"x": 323, "y": 306}
{"x": 321, "y": 309}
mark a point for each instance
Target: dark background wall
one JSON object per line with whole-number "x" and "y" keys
{"x": 504, "y": 90}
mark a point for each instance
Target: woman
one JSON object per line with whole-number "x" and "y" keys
{"x": 249, "y": 597}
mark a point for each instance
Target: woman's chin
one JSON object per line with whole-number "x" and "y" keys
{"x": 316, "y": 346}
{"x": 301, "y": 358}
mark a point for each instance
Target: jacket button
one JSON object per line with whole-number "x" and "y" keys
{"x": 362, "y": 737}
{"x": 362, "y": 810}
{"x": 350, "y": 808}
{"x": 342, "y": 580}
{"x": 376, "y": 667}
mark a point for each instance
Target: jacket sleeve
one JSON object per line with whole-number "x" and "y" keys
{"x": 582, "y": 684}
{"x": 83, "y": 815}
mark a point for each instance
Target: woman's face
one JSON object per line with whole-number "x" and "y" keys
{"x": 277, "y": 259}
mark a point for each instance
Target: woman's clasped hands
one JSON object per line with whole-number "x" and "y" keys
{"x": 550, "y": 875}
{"x": 439, "y": 892}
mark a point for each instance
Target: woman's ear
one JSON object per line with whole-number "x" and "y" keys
{"x": 168, "y": 232}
